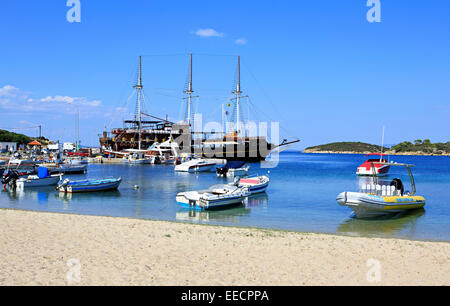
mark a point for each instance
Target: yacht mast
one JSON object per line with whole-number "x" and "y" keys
{"x": 382, "y": 144}
{"x": 189, "y": 92}
{"x": 139, "y": 88}
{"x": 238, "y": 96}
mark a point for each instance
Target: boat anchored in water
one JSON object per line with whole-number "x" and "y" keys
{"x": 233, "y": 169}
{"x": 90, "y": 185}
{"x": 13, "y": 180}
{"x": 215, "y": 197}
{"x": 195, "y": 165}
{"x": 379, "y": 198}
{"x": 257, "y": 184}
{"x": 379, "y": 165}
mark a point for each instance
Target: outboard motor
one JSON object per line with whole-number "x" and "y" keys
{"x": 222, "y": 171}
{"x": 398, "y": 185}
{"x": 9, "y": 178}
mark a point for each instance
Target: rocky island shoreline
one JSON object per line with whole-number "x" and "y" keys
{"x": 418, "y": 148}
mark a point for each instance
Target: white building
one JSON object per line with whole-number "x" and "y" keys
{"x": 8, "y": 146}
{"x": 55, "y": 147}
{"x": 68, "y": 146}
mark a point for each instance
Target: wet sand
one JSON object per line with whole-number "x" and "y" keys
{"x": 56, "y": 249}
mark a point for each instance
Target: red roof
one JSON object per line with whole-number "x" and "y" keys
{"x": 35, "y": 143}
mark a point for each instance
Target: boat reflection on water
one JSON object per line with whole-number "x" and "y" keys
{"x": 386, "y": 226}
{"x": 66, "y": 198}
{"x": 227, "y": 215}
{"x": 37, "y": 193}
{"x": 257, "y": 200}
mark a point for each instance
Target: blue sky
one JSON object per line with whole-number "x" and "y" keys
{"x": 318, "y": 67}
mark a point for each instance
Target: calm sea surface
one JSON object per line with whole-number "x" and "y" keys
{"x": 300, "y": 197}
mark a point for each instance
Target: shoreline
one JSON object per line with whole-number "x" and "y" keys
{"x": 374, "y": 236}
{"x": 365, "y": 153}
{"x": 36, "y": 248}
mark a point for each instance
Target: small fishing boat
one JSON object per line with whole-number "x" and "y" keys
{"x": 257, "y": 184}
{"x": 233, "y": 169}
{"x": 215, "y": 197}
{"x": 379, "y": 198}
{"x": 379, "y": 165}
{"x": 90, "y": 185}
{"x": 195, "y": 165}
{"x": 13, "y": 180}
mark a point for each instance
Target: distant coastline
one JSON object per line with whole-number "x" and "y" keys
{"x": 364, "y": 153}
{"x": 418, "y": 148}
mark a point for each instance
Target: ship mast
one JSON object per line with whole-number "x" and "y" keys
{"x": 189, "y": 92}
{"x": 238, "y": 96}
{"x": 139, "y": 88}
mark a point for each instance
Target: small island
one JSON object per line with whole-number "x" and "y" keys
{"x": 418, "y": 147}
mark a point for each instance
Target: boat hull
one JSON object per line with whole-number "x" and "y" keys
{"x": 216, "y": 198}
{"x": 42, "y": 182}
{"x": 379, "y": 171}
{"x": 81, "y": 169}
{"x": 91, "y": 187}
{"x": 255, "y": 185}
{"x": 194, "y": 168}
{"x": 367, "y": 205}
{"x": 202, "y": 204}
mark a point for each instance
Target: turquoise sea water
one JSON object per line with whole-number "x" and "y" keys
{"x": 301, "y": 197}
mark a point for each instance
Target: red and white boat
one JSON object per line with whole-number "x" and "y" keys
{"x": 372, "y": 166}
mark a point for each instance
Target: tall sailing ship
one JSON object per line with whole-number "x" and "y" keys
{"x": 138, "y": 133}
{"x": 235, "y": 144}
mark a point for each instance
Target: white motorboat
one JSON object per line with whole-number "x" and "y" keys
{"x": 136, "y": 157}
{"x": 380, "y": 198}
{"x": 257, "y": 184}
{"x": 77, "y": 161}
{"x": 233, "y": 169}
{"x": 195, "y": 165}
{"x": 216, "y": 197}
{"x": 371, "y": 165}
{"x": 163, "y": 153}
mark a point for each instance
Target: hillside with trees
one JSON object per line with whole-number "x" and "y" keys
{"x": 422, "y": 146}
{"x": 345, "y": 147}
{"x": 418, "y": 147}
{"x": 6, "y": 136}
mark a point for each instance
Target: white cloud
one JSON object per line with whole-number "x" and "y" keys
{"x": 72, "y": 100}
{"x": 12, "y": 98}
{"x": 8, "y": 91}
{"x": 65, "y": 99}
{"x": 208, "y": 33}
{"x": 240, "y": 41}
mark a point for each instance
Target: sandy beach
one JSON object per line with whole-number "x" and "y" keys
{"x": 57, "y": 249}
